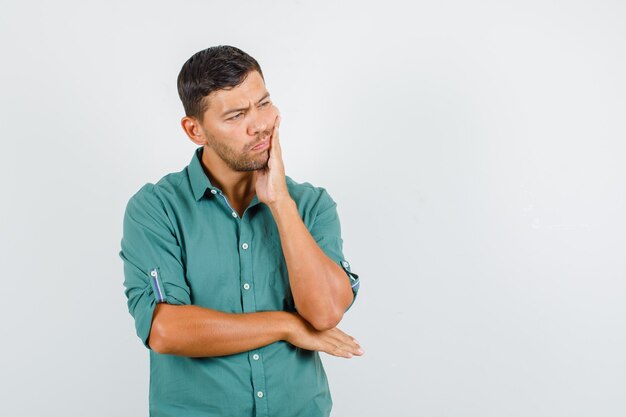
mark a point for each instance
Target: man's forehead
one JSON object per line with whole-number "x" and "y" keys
{"x": 252, "y": 88}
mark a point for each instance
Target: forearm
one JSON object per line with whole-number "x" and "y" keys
{"x": 189, "y": 330}
{"x": 319, "y": 286}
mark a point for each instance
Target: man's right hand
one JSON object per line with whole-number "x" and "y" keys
{"x": 333, "y": 341}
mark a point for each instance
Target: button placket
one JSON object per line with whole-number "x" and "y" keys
{"x": 249, "y": 305}
{"x": 232, "y": 210}
{"x": 245, "y": 263}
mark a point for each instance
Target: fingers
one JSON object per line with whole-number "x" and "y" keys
{"x": 342, "y": 345}
{"x": 333, "y": 341}
{"x": 275, "y": 141}
{"x": 344, "y": 350}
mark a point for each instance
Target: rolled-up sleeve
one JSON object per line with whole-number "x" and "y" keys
{"x": 153, "y": 268}
{"x": 326, "y": 231}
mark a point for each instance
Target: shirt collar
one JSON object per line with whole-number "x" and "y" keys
{"x": 199, "y": 180}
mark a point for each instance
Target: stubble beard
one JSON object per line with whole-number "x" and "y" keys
{"x": 238, "y": 162}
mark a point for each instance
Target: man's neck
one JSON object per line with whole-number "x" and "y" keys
{"x": 238, "y": 186}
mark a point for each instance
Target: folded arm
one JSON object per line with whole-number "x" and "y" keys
{"x": 194, "y": 331}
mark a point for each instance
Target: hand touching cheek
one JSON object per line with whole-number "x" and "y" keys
{"x": 270, "y": 183}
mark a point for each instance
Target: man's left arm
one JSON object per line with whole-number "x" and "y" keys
{"x": 321, "y": 289}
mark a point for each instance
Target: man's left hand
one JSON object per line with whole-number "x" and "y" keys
{"x": 270, "y": 183}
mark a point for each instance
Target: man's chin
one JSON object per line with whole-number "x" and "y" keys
{"x": 263, "y": 160}
{"x": 255, "y": 165}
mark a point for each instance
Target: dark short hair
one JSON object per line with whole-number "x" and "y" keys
{"x": 216, "y": 68}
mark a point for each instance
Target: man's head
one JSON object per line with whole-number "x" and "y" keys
{"x": 227, "y": 107}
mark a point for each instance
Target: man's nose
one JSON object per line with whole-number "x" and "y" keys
{"x": 258, "y": 125}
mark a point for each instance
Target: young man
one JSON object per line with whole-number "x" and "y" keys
{"x": 234, "y": 273}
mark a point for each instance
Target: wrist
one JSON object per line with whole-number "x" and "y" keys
{"x": 288, "y": 325}
{"x": 282, "y": 204}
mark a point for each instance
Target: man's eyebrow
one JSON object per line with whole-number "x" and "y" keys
{"x": 245, "y": 108}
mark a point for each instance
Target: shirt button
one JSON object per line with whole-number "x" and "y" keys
{"x": 345, "y": 263}
{"x": 255, "y": 357}
{"x": 245, "y": 246}
{"x": 246, "y": 286}
{"x": 213, "y": 192}
{"x": 234, "y": 214}
{"x": 259, "y": 394}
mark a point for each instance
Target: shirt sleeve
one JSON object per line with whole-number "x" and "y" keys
{"x": 153, "y": 267}
{"x": 326, "y": 230}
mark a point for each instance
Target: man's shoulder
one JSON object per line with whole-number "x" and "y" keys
{"x": 307, "y": 195}
{"x": 169, "y": 187}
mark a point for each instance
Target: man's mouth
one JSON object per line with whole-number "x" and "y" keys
{"x": 261, "y": 145}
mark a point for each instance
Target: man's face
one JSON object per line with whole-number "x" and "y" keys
{"x": 237, "y": 120}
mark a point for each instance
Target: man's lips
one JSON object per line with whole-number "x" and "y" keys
{"x": 261, "y": 145}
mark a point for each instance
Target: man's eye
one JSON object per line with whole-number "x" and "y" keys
{"x": 235, "y": 117}
{"x": 265, "y": 104}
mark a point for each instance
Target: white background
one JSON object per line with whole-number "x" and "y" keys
{"x": 475, "y": 149}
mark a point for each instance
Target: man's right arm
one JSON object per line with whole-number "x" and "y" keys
{"x": 189, "y": 330}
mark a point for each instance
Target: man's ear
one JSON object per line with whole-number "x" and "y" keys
{"x": 193, "y": 130}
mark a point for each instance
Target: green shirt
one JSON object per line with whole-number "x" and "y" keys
{"x": 184, "y": 244}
